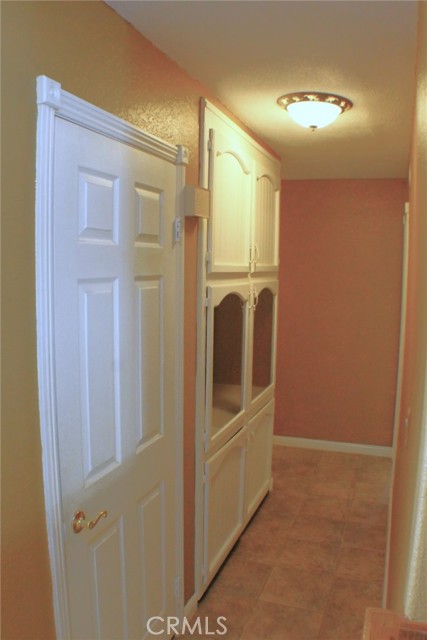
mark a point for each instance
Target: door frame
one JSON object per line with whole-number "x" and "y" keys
{"x": 54, "y": 102}
{"x": 399, "y": 383}
{"x": 402, "y": 330}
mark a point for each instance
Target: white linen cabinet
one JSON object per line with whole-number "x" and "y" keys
{"x": 237, "y": 311}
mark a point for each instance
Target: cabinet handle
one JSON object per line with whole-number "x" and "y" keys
{"x": 255, "y": 298}
{"x": 253, "y": 257}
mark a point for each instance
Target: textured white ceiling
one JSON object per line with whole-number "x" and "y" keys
{"x": 248, "y": 53}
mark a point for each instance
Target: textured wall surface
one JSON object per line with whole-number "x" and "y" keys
{"x": 339, "y": 309}
{"x": 96, "y": 55}
{"x": 407, "y": 584}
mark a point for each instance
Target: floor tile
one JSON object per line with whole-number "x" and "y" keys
{"x": 365, "y": 535}
{"x": 316, "y": 529}
{"x": 338, "y": 460}
{"x": 330, "y": 487}
{"x": 379, "y": 493}
{"x": 274, "y": 516}
{"x": 341, "y": 625}
{"x": 235, "y": 609}
{"x": 354, "y": 595}
{"x": 295, "y": 453}
{"x": 295, "y": 588}
{"x": 293, "y": 466}
{"x": 368, "y": 511}
{"x": 375, "y": 465}
{"x": 205, "y": 627}
{"x": 271, "y": 621}
{"x": 277, "y": 506}
{"x": 310, "y": 556}
{"x": 338, "y": 471}
{"x": 239, "y": 576}
{"x": 293, "y": 486}
{"x": 253, "y": 546}
{"x": 361, "y": 564}
{"x": 329, "y": 507}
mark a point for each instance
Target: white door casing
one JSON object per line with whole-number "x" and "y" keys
{"x": 109, "y": 315}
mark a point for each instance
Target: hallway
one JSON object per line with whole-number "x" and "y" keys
{"x": 312, "y": 559}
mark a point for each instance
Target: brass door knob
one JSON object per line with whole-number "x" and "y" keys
{"x": 80, "y": 517}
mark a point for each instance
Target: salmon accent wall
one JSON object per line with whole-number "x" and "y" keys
{"x": 99, "y": 57}
{"x": 339, "y": 309}
{"x": 407, "y": 586}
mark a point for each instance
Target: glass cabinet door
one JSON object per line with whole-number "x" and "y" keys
{"x": 227, "y": 361}
{"x": 227, "y": 319}
{"x": 262, "y": 342}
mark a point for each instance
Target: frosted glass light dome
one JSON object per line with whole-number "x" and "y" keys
{"x": 314, "y": 110}
{"x": 313, "y": 115}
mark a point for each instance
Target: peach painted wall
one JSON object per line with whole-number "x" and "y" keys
{"x": 99, "y": 57}
{"x": 409, "y": 499}
{"x": 339, "y": 309}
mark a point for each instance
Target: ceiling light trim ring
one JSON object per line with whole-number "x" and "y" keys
{"x": 314, "y": 96}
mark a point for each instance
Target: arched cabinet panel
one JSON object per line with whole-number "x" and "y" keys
{"x": 265, "y": 218}
{"x": 230, "y": 183}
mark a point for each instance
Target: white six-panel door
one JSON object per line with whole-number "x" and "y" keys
{"x": 115, "y": 288}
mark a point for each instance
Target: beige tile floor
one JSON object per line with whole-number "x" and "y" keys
{"x": 312, "y": 558}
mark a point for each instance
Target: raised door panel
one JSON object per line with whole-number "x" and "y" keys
{"x": 265, "y": 222}
{"x": 258, "y": 458}
{"x": 224, "y": 502}
{"x": 230, "y": 183}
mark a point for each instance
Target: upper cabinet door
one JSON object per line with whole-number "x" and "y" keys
{"x": 265, "y": 217}
{"x": 244, "y": 183}
{"x": 230, "y": 183}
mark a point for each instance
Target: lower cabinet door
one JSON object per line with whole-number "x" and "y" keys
{"x": 258, "y": 458}
{"x": 224, "y": 514}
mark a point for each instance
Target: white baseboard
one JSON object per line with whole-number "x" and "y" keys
{"x": 328, "y": 445}
{"x": 190, "y": 608}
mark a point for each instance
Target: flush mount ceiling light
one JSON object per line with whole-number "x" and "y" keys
{"x": 312, "y": 109}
